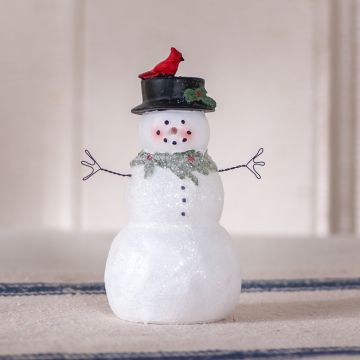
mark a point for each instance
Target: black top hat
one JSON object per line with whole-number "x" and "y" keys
{"x": 174, "y": 93}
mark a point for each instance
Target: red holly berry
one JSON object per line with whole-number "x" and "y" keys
{"x": 149, "y": 157}
{"x": 198, "y": 93}
{"x": 191, "y": 158}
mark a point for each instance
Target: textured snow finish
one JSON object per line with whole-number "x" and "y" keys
{"x": 173, "y": 262}
{"x": 163, "y": 197}
{"x": 160, "y": 273}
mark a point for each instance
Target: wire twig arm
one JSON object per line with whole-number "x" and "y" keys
{"x": 250, "y": 165}
{"x": 95, "y": 167}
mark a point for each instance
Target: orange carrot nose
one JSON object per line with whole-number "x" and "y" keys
{"x": 173, "y": 130}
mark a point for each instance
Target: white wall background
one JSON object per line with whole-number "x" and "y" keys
{"x": 285, "y": 75}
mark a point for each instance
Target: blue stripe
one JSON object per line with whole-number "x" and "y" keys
{"x": 302, "y": 284}
{"x": 18, "y": 289}
{"x": 294, "y": 353}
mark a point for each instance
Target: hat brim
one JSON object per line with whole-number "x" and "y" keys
{"x": 170, "y": 105}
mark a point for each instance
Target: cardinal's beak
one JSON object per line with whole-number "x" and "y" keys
{"x": 182, "y": 59}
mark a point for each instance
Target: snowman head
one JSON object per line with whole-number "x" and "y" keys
{"x": 171, "y": 131}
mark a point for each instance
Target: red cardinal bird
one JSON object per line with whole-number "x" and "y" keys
{"x": 167, "y": 67}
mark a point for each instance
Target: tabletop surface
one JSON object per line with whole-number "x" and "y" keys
{"x": 301, "y": 298}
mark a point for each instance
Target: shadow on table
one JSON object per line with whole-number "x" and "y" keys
{"x": 296, "y": 310}
{"x": 311, "y": 309}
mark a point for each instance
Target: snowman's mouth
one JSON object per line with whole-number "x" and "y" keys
{"x": 174, "y": 142}
{"x": 175, "y": 136}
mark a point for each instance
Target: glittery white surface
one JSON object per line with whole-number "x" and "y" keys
{"x": 173, "y": 262}
{"x": 161, "y": 273}
{"x": 163, "y": 197}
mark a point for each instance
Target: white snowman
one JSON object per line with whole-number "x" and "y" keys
{"x": 173, "y": 263}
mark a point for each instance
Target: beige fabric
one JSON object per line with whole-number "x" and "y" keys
{"x": 84, "y": 323}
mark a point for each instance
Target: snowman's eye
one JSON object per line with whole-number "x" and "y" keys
{"x": 183, "y": 121}
{"x": 166, "y": 122}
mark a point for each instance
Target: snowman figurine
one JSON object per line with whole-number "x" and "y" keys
{"x": 173, "y": 263}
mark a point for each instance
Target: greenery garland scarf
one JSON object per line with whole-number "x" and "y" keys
{"x": 182, "y": 164}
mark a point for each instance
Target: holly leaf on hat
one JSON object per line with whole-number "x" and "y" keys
{"x": 199, "y": 94}
{"x": 189, "y": 95}
{"x": 209, "y": 101}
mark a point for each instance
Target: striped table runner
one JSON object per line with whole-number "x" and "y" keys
{"x": 275, "y": 319}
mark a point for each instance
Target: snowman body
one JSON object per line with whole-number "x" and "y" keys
{"x": 173, "y": 262}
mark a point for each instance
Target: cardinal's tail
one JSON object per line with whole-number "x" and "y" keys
{"x": 148, "y": 74}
